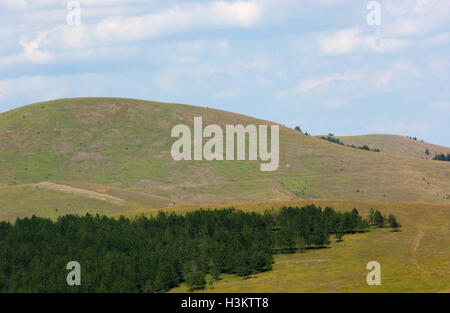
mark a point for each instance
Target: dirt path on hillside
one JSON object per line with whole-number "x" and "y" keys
{"x": 416, "y": 241}
{"x": 79, "y": 192}
{"x": 415, "y": 245}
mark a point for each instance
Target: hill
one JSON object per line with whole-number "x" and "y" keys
{"x": 121, "y": 147}
{"x": 22, "y": 201}
{"x": 396, "y": 144}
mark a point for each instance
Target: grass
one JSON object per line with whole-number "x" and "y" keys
{"x": 125, "y": 143}
{"x": 24, "y": 201}
{"x": 395, "y": 144}
{"x": 405, "y": 265}
{"x": 122, "y": 147}
{"x": 342, "y": 268}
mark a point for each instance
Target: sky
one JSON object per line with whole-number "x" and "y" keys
{"x": 346, "y": 67}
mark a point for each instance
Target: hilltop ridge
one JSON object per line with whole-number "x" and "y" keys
{"x": 124, "y": 144}
{"x": 396, "y": 144}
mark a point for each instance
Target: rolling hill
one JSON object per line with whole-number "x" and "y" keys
{"x": 121, "y": 148}
{"x": 112, "y": 156}
{"x": 396, "y": 144}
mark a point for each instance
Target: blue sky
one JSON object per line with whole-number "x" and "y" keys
{"x": 313, "y": 63}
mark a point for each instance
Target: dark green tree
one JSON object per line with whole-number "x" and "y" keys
{"x": 393, "y": 223}
{"x": 379, "y": 219}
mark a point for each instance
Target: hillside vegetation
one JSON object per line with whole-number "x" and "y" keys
{"x": 112, "y": 156}
{"x": 416, "y": 259}
{"x": 157, "y": 253}
{"x": 121, "y": 147}
{"x": 23, "y": 201}
{"x": 395, "y": 144}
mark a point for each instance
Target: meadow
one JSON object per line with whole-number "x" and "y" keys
{"x": 125, "y": 144}
{"x": 415, "y": 259}
{"x": 24, "y": 201}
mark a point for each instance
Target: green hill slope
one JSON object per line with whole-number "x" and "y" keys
{"x": 124, "y": 145}
{"x": 396, "y": 144}
{"x": 23, "y": 201}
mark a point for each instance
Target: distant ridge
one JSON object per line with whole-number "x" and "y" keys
{"x": 396, "y": 144}
{"x": 123, "y": 146}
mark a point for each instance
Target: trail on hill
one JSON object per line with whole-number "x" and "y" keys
{"x": 416, "y": 241}
{"x": 415, "y": 245}
{"x": 79, "y": 191}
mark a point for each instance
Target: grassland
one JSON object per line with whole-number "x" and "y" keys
{"x": 123, "y": 146}
{"x": 24, "y": 201}
{"x": 396, "y": 144}
{"x": 416, "y": 259}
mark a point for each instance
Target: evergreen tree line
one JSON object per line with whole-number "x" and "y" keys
{"x": 379, "y": 220}
{"x": 442, "y": 157}
{"x": 310, "y": 226}
{"x": 335, "y": 140}
{"x": 155, "y": 254}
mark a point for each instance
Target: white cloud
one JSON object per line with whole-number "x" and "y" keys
{"x": 32, "y": 52}
{"x": 31, "y": 49}
{"x": 310, "y": 84}
{"x": 42, "y": 46}
{"x": 349, "y": 40}
{"x": 180, "y": 18}
{"x": 399, "y": 75}
{"x": 14, "y": 4}
{"x": 21, "y": 5}
{"x": 415, "y": 17}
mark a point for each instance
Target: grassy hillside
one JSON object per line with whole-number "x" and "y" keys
{"x": 122, "y": 148}
{"x": 395, "y": 144}
{"x": 112, "y": 156}
{"x": 412, "y": 260}
{"x": 24, "y": 201}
